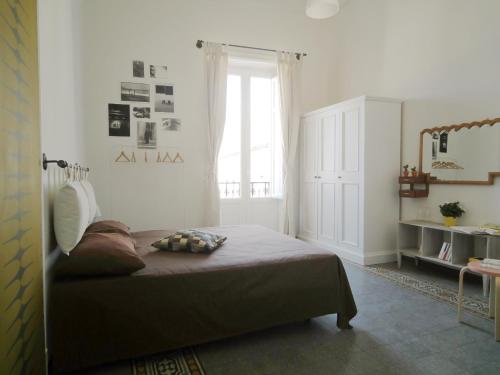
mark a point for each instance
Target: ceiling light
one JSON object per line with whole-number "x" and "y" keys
{"x": 319, "y": 9}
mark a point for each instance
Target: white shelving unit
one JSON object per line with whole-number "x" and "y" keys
{"x": 422, "y": 240}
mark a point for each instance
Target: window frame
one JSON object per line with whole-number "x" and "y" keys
{"x": 246, "y": 69}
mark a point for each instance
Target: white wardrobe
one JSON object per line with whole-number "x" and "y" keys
{"x": 349, "y": 168}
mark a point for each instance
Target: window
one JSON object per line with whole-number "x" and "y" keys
{"x": 250, "y": 158}
{"x": 229, "y": 168}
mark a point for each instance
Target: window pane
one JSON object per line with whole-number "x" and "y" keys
{"x": 229, "y": 168}
{"x": 261, "y": 136}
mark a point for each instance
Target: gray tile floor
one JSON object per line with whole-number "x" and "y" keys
{"x": 396, "y": 331}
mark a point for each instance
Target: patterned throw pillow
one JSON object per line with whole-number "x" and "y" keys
{"x": 191, "y": 240}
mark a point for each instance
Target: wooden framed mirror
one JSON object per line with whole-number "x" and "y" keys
{"x": 467, "y": 154}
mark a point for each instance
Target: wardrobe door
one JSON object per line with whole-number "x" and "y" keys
{"x": 349, "y": 177}
{"x": 349, "y": 167}
{"x": 327, "y": 168}
{"x": 308, "y": 188}
{"x": 349, "y": 204}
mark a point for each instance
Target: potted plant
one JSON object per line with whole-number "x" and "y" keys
{"x": 405, "y": 170}
{"x": 451, "y": 211}
{"x": 414, "y": 171}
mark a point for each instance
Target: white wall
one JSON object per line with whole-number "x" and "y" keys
{"x": 441, "y": 58}
{"x": 60, "y": 107}
{"x": 62, "y": 133}
{"x": 115, "y": 32}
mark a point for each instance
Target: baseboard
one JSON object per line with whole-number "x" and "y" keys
{"x": 380, "y": 257}
{"x": 345, "y": 254}
{"x": 375, "y": 257}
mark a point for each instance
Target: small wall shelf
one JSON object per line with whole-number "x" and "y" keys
{"x": 412, "y": 181}
{"x": 422, "y": 240}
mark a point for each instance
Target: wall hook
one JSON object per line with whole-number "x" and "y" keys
{"x": 60, "y": 163}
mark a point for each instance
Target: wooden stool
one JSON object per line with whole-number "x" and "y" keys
{"x": 494, "y": 303}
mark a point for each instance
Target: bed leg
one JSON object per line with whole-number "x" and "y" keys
{"x": 343, "y": 324}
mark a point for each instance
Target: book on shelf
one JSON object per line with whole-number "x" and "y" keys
{"x": 449, "y": 253}
{"x": 492, "y": 266}
{"x": 445, "y": 253}
{"x": 477, "y": 230}
{"x": 442, "y": 251}
{"x": 492, "y": 226}
{"x": 491, "y": 263}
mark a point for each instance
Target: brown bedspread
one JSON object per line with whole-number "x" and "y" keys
{"x": 257, "y": 279}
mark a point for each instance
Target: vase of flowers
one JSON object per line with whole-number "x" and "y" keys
{"x": 451, "y": 211}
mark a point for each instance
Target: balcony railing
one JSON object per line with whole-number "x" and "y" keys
{"x": 258, "y": 189}
{"x": 229, "y": 189}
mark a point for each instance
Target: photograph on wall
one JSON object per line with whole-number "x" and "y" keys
{"x": 435, "y": 142}
{"x": 119, "y": 120}
{"x": 141, "y": 112}
{"x": 146, "y": 134}
{"x": 443, "y": 143}
{"x": 135, "y": 92}
{"x": 138, "y": 68}
{"x": 158, "y": 71}
{"x": 164, "y": 98}
{"x": 171, "y": 124}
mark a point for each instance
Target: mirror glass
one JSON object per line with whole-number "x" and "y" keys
{"x": 463, "y": 155}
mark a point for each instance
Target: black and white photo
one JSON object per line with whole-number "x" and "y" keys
{"x": 141, "y": 112}
{"x": 435, "y": 143}
{"x": 158, "y": 71}
{"x": 146, "y": 134}
{"x": 138, "y": 68}
{"x": 134, "y": 92}
{"x": 119, "y": 120}
{"x": 164, "y": 98}
{"x": 171, "y": 124}
{"x": 443, "y": 143}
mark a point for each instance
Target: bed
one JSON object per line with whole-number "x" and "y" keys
{"x": 257, "y": 279}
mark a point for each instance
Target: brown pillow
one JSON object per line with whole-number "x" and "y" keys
{"x": 100, "y": 254}
{"x": 108, "y": 226}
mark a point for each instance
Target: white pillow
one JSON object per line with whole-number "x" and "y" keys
{"x": 89, "y": 192}
{"x": 98, "y": 213}
{"x": 71, "y": 215}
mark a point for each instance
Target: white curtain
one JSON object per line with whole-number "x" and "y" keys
{"x": 289, "y": 86}
{"x": 216, "y": 76}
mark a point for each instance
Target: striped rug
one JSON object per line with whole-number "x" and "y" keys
{"x": 179, "y": 362}
{"x": 431, "y": 289}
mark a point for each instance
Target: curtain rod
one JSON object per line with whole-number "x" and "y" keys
{"x": 199, "y": 44}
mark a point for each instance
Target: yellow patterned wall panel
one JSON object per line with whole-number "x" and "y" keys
{"x": 21, "y": 289}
